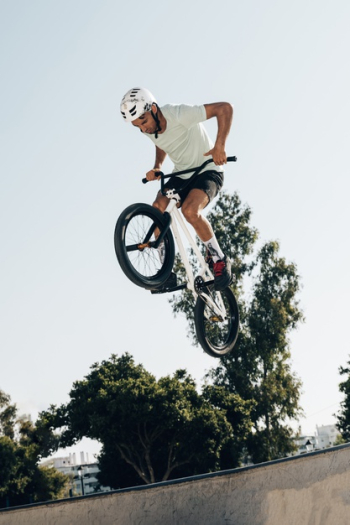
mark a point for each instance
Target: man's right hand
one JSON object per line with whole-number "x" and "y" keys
{"x": 152, "y": 174}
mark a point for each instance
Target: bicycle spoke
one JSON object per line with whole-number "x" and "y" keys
{"x": 139, "y": 237}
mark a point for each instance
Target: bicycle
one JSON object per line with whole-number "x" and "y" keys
{"x": 140, "y": 230}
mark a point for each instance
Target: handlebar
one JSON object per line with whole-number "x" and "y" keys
{"x": 196, "y": 171}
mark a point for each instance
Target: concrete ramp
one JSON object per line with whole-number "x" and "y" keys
{"x": 313, "y": 489}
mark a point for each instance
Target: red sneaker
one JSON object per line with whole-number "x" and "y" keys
{"x": 222, "y": 274}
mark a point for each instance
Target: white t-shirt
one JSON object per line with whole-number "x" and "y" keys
{"x": 185, "y": 139}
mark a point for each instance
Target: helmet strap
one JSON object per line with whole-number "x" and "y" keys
{"x": 156, "y": 119}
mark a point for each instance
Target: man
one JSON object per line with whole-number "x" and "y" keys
{"x": 177, "y": 131}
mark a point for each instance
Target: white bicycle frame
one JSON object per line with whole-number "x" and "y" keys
{"x": 177, "y": 219}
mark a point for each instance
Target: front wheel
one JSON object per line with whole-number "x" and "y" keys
{"x": 135, "y": 234}
{"x": 217, "y": 334}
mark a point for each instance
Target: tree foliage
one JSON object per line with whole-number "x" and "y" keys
{"x": 22, "y": 445}
{"x": 343, "y": 424}
{"x": 150, "y": 430}
{"x": 258, "y": 369}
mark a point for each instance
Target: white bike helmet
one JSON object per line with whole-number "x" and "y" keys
{"x": 135, "y": 103}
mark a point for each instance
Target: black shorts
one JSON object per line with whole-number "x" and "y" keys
{"x": 210, "y": 182}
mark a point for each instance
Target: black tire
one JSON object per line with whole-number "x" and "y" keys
{"x": 217, "y": 337}
{"x": 142, "y": 266}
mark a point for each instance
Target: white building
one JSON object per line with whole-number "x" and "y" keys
{"x": 327, "y": 435}
{"x": 324, "y": 437}
{"x": 83, "y": 475}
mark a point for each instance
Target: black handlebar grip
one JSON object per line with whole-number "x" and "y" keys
{"x": 160, "y": 173}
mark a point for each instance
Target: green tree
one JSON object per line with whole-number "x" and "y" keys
{"x": 273, "y": 313}
{"x": 258, "y": 369}
{"x": 343, "y": 424}
{"x": 339, "y": 440}
{"x": 150, "y": 430}
{"x": 22, "y": 445}
{"x": 8, "y": 414}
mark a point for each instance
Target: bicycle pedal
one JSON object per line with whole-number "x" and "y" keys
{"x": 169, "y": 289}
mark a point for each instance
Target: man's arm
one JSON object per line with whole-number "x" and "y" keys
{"x": 223, "y": 111}
{"x": 160, "y": 157}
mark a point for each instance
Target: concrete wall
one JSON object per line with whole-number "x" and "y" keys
{"x": 304, "y": 490}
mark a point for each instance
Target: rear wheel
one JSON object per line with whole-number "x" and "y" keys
{"x": 134, "y": 238}
{"x": 217, "y": 334}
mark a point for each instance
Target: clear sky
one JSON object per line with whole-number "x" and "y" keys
{"x": 69, "y": 165}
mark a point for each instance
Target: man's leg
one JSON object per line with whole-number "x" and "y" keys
{"x": 161, "y": 202}
{"x": 192, "y": 209}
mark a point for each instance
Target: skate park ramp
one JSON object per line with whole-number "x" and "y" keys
{"x": 311, "y": 489}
